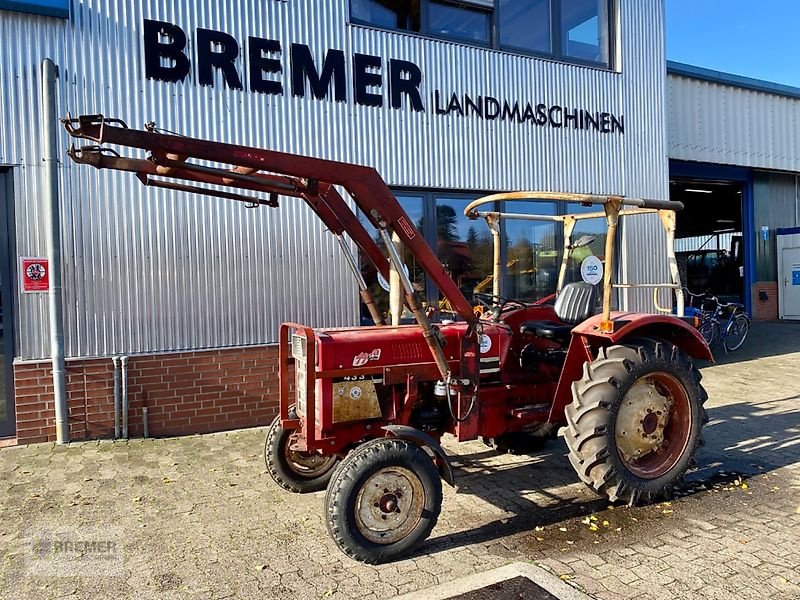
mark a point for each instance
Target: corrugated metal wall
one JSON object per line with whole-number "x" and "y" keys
{"x": 775, "y": 198}
{"x": 716, "y": 123}
{"x": 147, "y": 271}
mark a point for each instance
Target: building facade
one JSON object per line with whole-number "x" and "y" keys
{"x": 447, "y": 100}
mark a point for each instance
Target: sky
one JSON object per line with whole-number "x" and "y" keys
{"x": 754, "y": 38}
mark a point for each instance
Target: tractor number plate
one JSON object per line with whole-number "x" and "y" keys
{"x": 354, "y": 399}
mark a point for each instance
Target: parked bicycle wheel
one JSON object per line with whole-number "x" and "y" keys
{"x": 736, "y": 332}
{"x": 710, "y": 330}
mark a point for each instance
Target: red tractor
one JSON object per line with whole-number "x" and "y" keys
{"x": 363, "y": 409}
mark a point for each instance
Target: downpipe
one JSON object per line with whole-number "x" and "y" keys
{"x": 145, "y": 424}
{"x": 117, "y": 397}
{"x": 51, "y": 200}
{"x": 124, "y": 361}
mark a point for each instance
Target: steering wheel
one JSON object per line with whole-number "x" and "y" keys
{"x": 497, "y": 304}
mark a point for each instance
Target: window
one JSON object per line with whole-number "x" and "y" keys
{"x": 530, "y": 253}
{"x": 463, "y": 246}
{"x": 533, "y": 253}
{"x": 584, "y": 30}
{"x": 392, "y": 14}
{"x": 414, "y": 205}
{"x": 525, "y": 25}
{"x": 49, "y": 8}
{"x": 459, "y": 21}
{"x": 570, "y": 30}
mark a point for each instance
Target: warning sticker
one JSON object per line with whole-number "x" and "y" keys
{"x": 35, "y": 274}
{"x": 406, "y": 227}
{"x": 795, "y": 277}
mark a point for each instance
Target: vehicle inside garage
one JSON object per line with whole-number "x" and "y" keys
{"x": 709, "y": 237}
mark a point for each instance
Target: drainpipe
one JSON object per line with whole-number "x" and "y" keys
{"x": 51, "y": 200}
{"x": 796, "y": 203}
{"x": 124, "y": 360}
{"x": 115, "y": 360}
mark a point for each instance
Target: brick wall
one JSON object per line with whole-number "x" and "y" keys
{"x": 765, "y": 310}
{"x": 191, "y": 392}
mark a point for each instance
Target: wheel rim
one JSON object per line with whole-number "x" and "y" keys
{"x": 710, "y": 332}
{"x": 389, "y": 505}
{"x": 307, "y": 465}
{"x": 737, "y": 331}
{"x": 653, "y": 425}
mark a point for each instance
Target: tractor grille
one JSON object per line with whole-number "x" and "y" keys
{"x": 300, "y": 370}
{"x": 298, "y": 347}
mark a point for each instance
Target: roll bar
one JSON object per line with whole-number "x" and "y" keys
{"x": 612, "y": 211}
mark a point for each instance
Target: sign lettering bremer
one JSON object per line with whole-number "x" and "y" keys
{"x": 371, "y": 80}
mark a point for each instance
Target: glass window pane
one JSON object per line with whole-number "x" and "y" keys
{"x": 525, "y": 25}
{"x": 460, "y": 22}
{"x": 584, "y": 30}
{"x": 393, "y": 14}
{"x": 413, "y": 205}
{"x": 464, "y": 247}
{"x": 534, "y": 252}
{"x": 593, "y": 232}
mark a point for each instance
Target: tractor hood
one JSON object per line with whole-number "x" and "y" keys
{"x": 377, "y": 347}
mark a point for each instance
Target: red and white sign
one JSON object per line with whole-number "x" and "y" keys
{"x": 35, "y": 275}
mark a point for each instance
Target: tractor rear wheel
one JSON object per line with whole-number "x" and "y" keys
{"x": 383, "y": 500}
{"x": 299, "y": 472}
{"x": 635, "y": 421}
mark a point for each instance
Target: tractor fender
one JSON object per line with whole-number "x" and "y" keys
{"x": 423, "y": 440}
{"x": 587, "y": 338}
{"x": 632, "y": 325}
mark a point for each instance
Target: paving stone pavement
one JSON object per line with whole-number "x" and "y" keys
{"x": 198, "y": 517}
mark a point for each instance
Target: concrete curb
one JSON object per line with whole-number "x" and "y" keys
{"x": 463, "y": 585}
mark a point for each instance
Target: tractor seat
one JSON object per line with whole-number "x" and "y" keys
{"x": 575, "y": 304}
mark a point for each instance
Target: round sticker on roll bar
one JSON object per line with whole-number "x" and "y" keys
{"x": 592, "y": 270}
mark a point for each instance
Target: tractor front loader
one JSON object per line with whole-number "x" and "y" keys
{"x": 362, "y": 409}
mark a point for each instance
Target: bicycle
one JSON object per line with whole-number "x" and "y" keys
{"x": 709, "y": 326}
{"x": 736, "y": 327}
{"x": 725, "y": 322}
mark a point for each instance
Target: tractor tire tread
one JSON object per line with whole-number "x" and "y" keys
{"x": 588, "y": 418}
{"x": 347, "y": 476}
{"x": 281, "y": 474}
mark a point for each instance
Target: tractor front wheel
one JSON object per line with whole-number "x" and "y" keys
{"x": 635, "y": 421}
{"x": 299, "y": 472}
{"x": 383, "y": 500}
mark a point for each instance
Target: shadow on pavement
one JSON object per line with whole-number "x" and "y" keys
{"x": 766, "y": 338}
{"x": 743, "y": 444}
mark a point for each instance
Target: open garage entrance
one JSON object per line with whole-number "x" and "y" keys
{"x": 715, "y": 237}
{"x": 709, "y": 241}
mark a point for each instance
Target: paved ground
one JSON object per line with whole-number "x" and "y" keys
{"x": 198, "y": 517}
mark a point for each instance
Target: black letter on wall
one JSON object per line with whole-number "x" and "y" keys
{"x": 398, "y": 86}
{"x": 259, "y": 65}
{"x": 155, "y": 50}
{"x": 363, "y": 79}
{"x": 208, "y": 60}
{"x": 332, "y": 69}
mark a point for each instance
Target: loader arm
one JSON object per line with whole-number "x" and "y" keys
{"x": 176, "y": 157}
